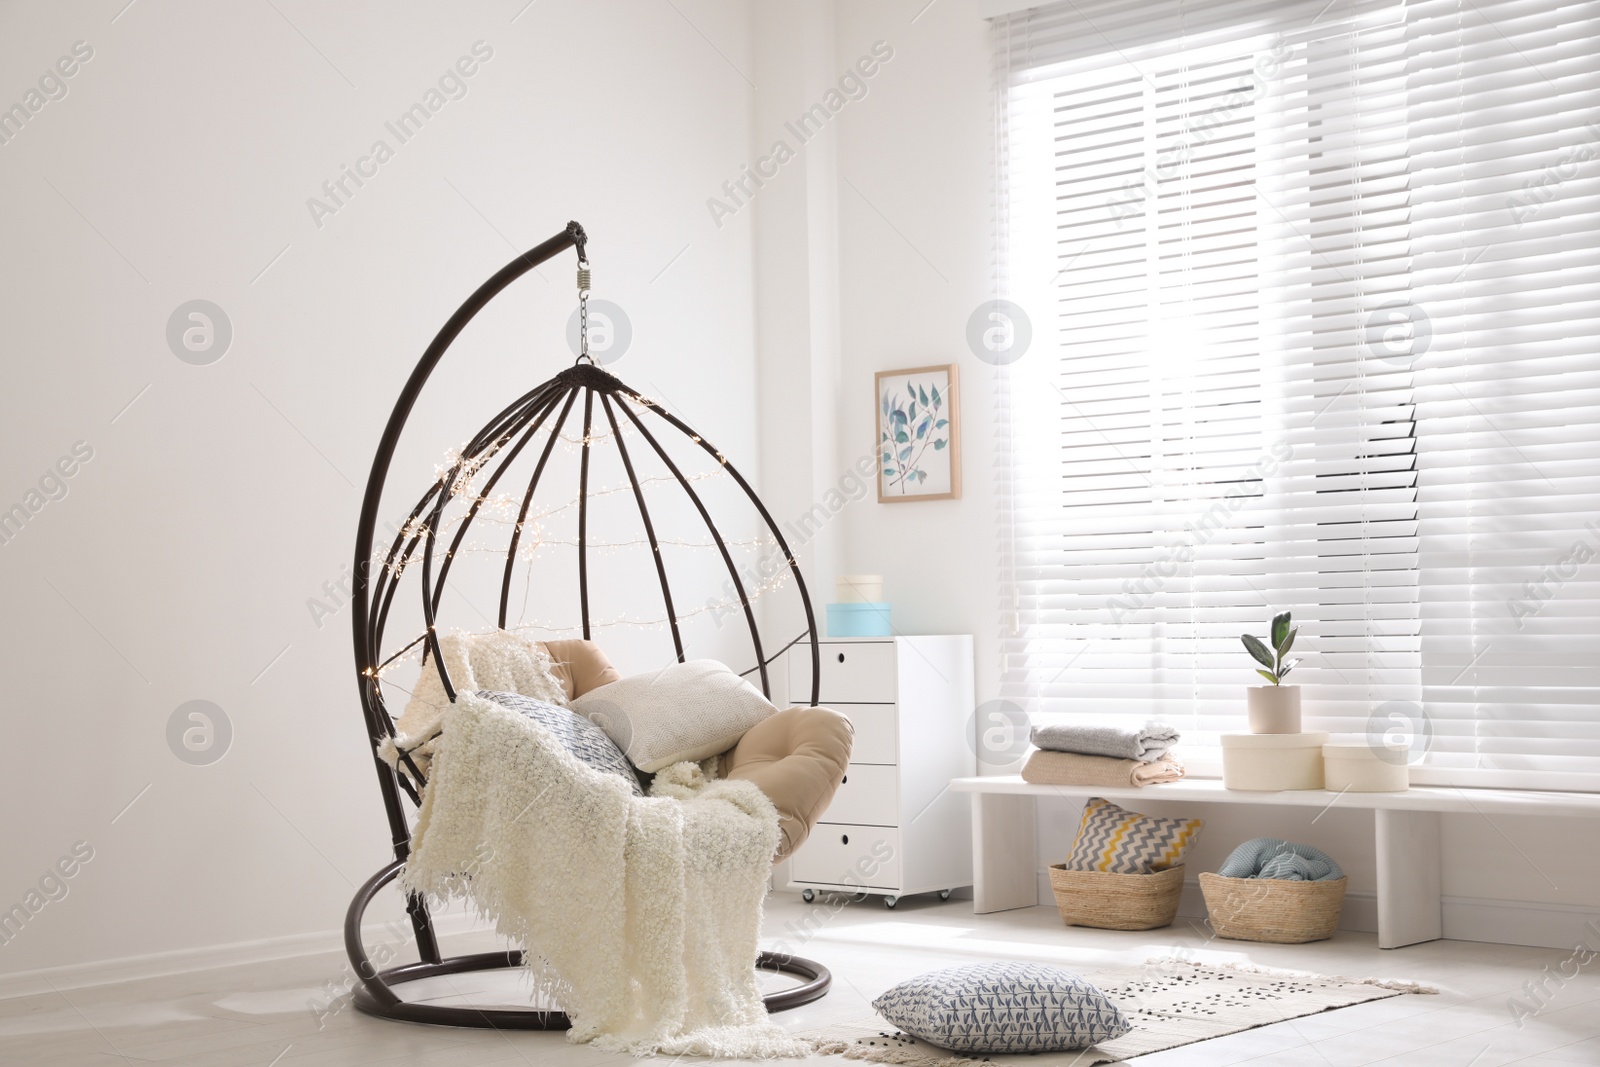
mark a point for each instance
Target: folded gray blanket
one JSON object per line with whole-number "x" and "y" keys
{"x": 1147, "y": 743}
{"x": 1271, "y": 857}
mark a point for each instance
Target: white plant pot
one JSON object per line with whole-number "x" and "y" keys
{"x": 1274, "y": 709}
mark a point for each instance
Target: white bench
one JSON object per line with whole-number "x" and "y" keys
{"x": 1005, "y": 853}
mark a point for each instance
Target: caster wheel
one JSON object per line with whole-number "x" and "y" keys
{"x": 808, "y": 895}
{"x": 944, "y": 894}
{"x": 890, "y": 902}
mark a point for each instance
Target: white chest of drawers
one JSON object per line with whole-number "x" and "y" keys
{"x": 894, "y": 828}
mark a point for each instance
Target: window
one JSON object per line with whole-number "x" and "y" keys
{"x": 1314, "y": 298}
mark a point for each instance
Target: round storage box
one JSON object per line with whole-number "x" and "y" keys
{"x": 1117, "y": 901}
{"x": 859, "y": 620}
{"x": 858, "y": 588}
{"x": 1359, "y": 766}
{"x": 1270, "y": 909}
{"x": 1270, "y": 762}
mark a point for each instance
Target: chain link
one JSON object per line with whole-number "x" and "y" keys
{"x": 584, "y": 280}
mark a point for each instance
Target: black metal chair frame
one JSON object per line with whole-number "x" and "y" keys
{"x": 374, "y": 591}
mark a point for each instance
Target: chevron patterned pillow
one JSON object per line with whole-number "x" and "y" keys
{"x": 993, "y": 1008}
{"x": 1120, "y": 841}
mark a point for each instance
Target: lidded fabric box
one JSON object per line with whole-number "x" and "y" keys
{"x": 1363, "y": 766}
{"x": 859, "y": 620}
{"x": 1271, "y": 762}
{"x": 858, "y": 589}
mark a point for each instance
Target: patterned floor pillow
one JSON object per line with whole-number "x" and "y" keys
{"x": 1002, "y": 1008}
{"x": 1124, "y": 842}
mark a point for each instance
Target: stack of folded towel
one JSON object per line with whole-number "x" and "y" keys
{"x": 1094, "y": 755}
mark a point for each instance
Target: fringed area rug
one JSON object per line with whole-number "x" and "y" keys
{"x": 1170, "y": 1002}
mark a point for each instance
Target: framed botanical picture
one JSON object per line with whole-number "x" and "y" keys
{"x": 919, "y": 434}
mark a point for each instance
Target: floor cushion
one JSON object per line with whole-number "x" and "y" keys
{"x": 990, "y": 1008}
{"x": 797, "y": 757}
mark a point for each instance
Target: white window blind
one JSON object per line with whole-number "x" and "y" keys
{"x": 1313, "y": 292}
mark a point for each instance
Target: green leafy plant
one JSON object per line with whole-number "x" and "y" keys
{"x": 1277, "y": 668}
{"x": 908, "y": 430}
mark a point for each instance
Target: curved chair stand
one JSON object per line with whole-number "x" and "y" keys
{"x": 374, "y": 587}
{"x": 374, "y": 995}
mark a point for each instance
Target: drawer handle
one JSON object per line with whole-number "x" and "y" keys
{"x": 841, "y": 657}
{"x": 845, "y": 779}
{"x": 844, "y": 839}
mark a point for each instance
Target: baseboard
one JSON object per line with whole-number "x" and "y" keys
{"x": 1500, "y": 922}
{"x": 206, "y": 958}
{"x": 1518, "y": 922}
{"x": 1504, "y": 922}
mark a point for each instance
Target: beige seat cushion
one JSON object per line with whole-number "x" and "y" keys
{"x": 797, "y": 757}
{"x": 579, "y": 666}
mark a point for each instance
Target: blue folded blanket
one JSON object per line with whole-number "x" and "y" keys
{"x": 1270, "y": 857}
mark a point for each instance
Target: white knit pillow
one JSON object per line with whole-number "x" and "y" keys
{"x": 687, "y": 711}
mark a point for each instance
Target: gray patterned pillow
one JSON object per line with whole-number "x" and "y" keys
{"x": 577, "y": 735}
{"x": 995, "y": 1008}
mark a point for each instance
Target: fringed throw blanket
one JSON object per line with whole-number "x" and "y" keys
{"x": 498, "y": 660}
{"x": 640, "y": 915}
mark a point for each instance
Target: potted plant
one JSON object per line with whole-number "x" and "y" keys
{"x": 1275, "y": 708}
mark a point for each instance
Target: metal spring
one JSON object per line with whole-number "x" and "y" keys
{"x": 584, "y": 278}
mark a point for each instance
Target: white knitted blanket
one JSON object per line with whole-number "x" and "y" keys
{"x": 640, "y": 915}
{"x": 497, "y": 660}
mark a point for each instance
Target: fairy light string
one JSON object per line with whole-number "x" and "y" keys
{"x": 459, "y": 475}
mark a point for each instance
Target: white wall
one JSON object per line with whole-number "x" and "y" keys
{"x": 179, "y": 564}
{"x": 797, "y": 277}
{"x": 916, "y": 179}
{"x": 915, "y": 163}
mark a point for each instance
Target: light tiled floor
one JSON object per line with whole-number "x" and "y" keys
{"x": 258, "y": 1016}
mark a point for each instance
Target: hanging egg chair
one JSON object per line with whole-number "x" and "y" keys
{"x": 601, "y": 410}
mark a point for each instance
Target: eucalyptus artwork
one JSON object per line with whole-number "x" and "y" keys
{"x": 1272, "y": 658}
{"x": 919, "y": 452}
{"x": 913, "y": 430}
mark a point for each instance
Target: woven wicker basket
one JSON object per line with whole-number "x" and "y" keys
{"x": 1117, "y": 901}
{"x": 1269, "y": 909}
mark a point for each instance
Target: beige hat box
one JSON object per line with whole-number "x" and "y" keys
{"x": 858, "y": 589}
{"x": 1358, "y": 765}
{"x": 1272, "y": 762}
